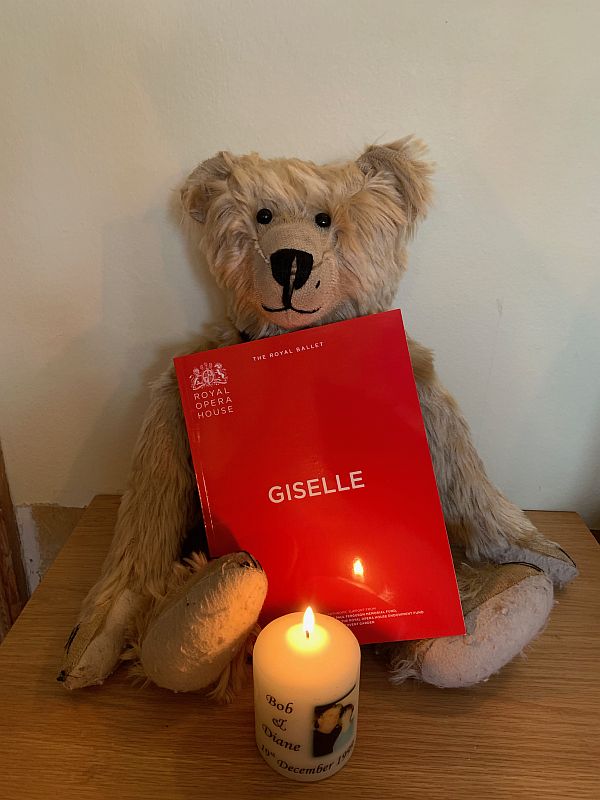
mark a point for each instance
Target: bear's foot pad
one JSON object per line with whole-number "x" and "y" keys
{"x": 509, "y": 610}
{"x": 196, "y": 637}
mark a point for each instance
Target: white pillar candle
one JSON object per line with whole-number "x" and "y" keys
{"x": 306, "y": 676}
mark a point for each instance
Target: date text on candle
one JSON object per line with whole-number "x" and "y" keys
{"x": 318, "y": 770}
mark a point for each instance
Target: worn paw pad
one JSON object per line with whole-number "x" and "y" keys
{"x": 197, "y": 632}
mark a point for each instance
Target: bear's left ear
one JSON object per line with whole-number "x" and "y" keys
{"x": 206, "y": 182}
{"x": 403, "y": 161}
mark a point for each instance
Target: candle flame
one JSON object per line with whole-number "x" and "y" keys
{"x": 309, "y": 622}
{"x": 357, "y": 568}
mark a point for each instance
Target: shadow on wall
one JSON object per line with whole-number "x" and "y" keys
{"x": 532, "y": 412}
{"x": 585, "y": 478}
{"x": 137, "y": 304}
{"x": 561, "y": 419}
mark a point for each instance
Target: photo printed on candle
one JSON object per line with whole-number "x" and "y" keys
{"x": 334, "y": 725}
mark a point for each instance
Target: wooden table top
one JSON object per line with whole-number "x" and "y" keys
{"x": 531, "y": 731}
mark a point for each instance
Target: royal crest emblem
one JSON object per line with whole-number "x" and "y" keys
{"x": 208, "y": 375}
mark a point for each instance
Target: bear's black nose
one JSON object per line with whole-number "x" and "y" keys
{"x": 291, "y": 269}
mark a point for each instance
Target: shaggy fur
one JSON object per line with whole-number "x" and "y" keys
{"x": 375, "y": 204}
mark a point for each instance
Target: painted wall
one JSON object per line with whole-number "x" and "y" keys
{"x": 106, "y": 106}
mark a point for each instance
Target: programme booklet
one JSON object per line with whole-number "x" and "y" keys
{"x": 310, "y": 453}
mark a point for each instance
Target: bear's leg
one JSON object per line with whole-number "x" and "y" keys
{"x": 155, "y": 511}
{"x": 505, "y": 607}
{"x": 478, "y": 516}
{"x": 199, "y": 635}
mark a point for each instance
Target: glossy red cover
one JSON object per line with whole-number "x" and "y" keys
{"x": 310, "y": 453}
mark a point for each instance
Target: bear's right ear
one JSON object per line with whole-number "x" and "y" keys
{"x": 208, "y": 180}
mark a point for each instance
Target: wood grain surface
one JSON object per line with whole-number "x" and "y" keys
{"x": 531, "y": 731}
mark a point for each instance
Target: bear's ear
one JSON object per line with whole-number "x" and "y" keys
{"x": 403, "y": 161}
{"x": 206, "y": 182}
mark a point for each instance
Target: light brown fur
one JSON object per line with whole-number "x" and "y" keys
{"x": 375, "y": 204}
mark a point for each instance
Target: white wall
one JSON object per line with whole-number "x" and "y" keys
{"x": 107, "y": 105}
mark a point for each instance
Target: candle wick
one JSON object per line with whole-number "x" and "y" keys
{"x": 307, "y": 634}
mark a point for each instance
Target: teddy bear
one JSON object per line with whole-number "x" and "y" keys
{"x": 293, "y": 244}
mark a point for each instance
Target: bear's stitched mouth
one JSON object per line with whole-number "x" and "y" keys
{"x": 291, "y": 308}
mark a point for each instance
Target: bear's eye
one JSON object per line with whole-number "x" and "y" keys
{"x": 264, "y": 216}
{"x": 323, "y": 220}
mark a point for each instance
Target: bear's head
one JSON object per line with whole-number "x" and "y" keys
{"x": 294, "y": 244}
